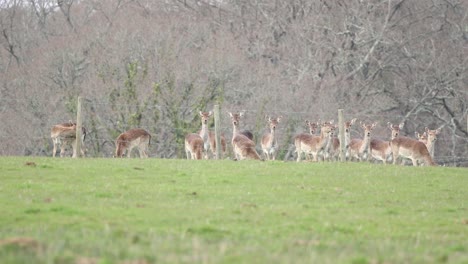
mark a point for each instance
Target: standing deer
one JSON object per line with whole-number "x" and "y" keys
{"x": 136, "y": 137}
{"x": 380, "y": 149}
{"x": 65, "y": 134}
{"x": 360, "y": 148}
{"x": 193, "y": 146}
{"x": 428, "y": 138}
{"x": 315, "y": 145}
{"x": 312, "y": 131}
{"x": 209, "y": 138}
{"x": 243, "y": 147}
{"x": 334, "y": 144}
{"x": 269, "y": 141}
{"x": 412, "y": 149}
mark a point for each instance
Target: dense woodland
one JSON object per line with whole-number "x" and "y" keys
{"x": 155, "y": 63}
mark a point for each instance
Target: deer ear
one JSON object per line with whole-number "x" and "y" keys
{"x": 331, "y": 122}
{"x": 201, "y": 113}
{"x": 279, "y": 118}
{"x": 307, "y": 122}
{"x": 416, "y": 134}
{"x": 210, "y": 113}
{"x": 241, "y": 114}
{"x": 352, "y": 121}
{"x": 375, "y": 124}
{"x": 401, "y": 125}
{"x": 230, "y": 114}
{"x": 438, "y": 130}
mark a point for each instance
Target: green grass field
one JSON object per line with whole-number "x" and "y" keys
{"x": 181, "y": 211}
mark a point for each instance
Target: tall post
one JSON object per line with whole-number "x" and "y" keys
{"x": 341, "y": 135}
{"x": 217, "y": 121}
{"x": 77, "y": 150}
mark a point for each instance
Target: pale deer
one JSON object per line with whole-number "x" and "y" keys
{"x": 209, "y": 138}
{"x": 269, "y": 141}
{"x": 360, "y": 148}
{"x": 381, "y": 149}
{"x": 412, "y": 149}
{"x": 314, "y": 145}
{"x": 334, "y": 144}
{"x": 136, "y": 137}
{"x": 428, "y": 138}
{"x": 65, "y": 134}
{"x": 193, "y": 146}
{"x": 243, "y": 147}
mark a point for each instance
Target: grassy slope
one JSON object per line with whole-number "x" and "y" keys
{"x": 109, "y": 210}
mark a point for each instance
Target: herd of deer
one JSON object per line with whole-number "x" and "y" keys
{"x": 320, "y": 143}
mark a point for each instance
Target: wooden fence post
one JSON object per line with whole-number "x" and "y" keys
{"x": 341, "y": 135}
{"x": 217, "y": 122}
{"x": 77, "y": 150}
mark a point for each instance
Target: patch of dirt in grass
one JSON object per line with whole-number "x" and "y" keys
{"x": 22, "y": 242}
{"x": 30, "y": 163}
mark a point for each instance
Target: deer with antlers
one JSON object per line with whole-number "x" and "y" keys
{"x": 381, "y": 149}
{"x": 209, "y": 138}
{"x": 65, "y": 134}
{"x": 130, "y": 139}
{"x": 360, "y": 148}
{"x": 314, "y": 145}
{"x": 269, "y": 140}
{"x": 243, "y": 147}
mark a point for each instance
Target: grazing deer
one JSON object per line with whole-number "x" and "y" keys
{"x": 314, "y": 145}
{"x": 193, "y": 146}
{"x": 412, "y": 149}
{"x": 428, "y": 138}
{"x": 334, "y": 144}
{"x": 269, "y": 141}
{"x": 65, "y": 134}
{"x": 209, "y": 138}
{"x": 381, "y": 149}
{"x": 360, "y": 148}
{"x": 243, "y": 147}
{"x": 136, "y": 137}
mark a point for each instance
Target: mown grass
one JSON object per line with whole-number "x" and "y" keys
{"x": 181, "y": 211}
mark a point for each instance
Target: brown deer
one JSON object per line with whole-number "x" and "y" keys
{"x": 334, "y": 144}
{"x": 381, "y": 149}
{"x": 269, "y": 140}
{"x": 412, "y": 149}
{"x": 243, "y": 147}
{"x": 313, "y": 127}
{"x": 65, "y": 134}
{"x": 428, "y": 138}
{"x": 314, "y": 145}
{"x": 193, "y": 146}
{"x": 360, "y": 148}
{"x": 136, "y": 137}
{"x": 209, "y": 138}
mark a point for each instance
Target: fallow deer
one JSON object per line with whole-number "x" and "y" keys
{"x": 136, "y": 137}
{"x": 381, "y": 149}
{"x": 334, "y": 148}
{"x": 65, "y": 134}
{"x": 312, "y": 131}
{"x": 314, "y": 145}
{"x": 428, "y": 138}
{"x": 193, "y": 146}
{"x": 269, "y": 140}
{"x": 209, "y": 139}
{"x": 243, "y": 147}
{"x": 360, "y": 148}
{"x": 412, "y": 149}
